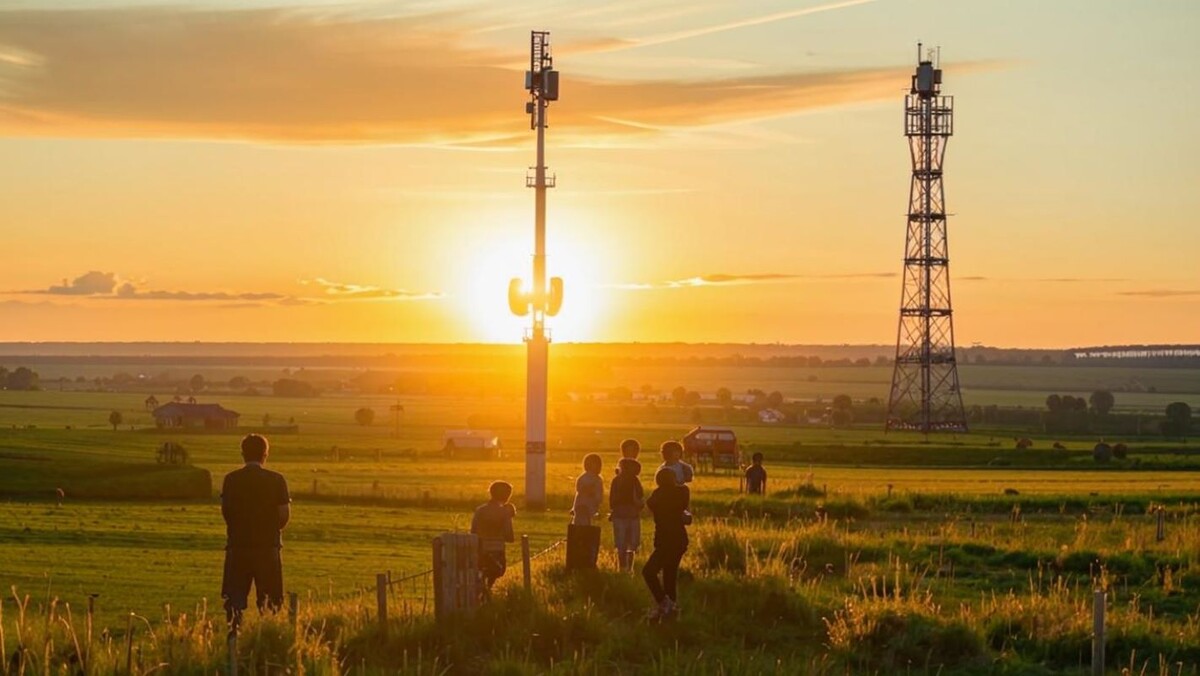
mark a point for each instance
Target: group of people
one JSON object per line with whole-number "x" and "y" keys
{"x": 669, "y": 504}
{"x": 256, "y": 506}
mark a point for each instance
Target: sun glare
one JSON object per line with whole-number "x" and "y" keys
{"x": 506, "y": 252}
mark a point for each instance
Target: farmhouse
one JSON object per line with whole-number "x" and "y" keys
{"x": 176, "y": 415}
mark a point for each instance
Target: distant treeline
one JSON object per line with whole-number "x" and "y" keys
{"x": 21, "y": 378}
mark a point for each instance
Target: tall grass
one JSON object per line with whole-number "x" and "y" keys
{"x": 809, "y": 594}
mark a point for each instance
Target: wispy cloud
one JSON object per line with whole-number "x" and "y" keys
{"x": 723, "y": 279}
{"x": 344, "y": 291}
{"x": 291, "y": 76}
{"x": 1042, "y": 280}
{"x": 1161, "y": 293}
{"x": 110, "y": 286}
{"x": 666, "y": 38}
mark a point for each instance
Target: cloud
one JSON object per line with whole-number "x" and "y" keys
{"x": 1161, "y": 293}
{"x": 90, "y": 283}
{"x": 666, "y": 38}
{"x": 723, "y": 279}
{"x": 292, "y": 76}
{"x": 1043, "y": 280}
{"x": 343, "y": 291}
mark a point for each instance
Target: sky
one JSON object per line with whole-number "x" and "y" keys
{"x": 232, "y": 170}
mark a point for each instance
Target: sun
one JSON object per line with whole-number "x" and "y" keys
{"x": 497, "y": 255}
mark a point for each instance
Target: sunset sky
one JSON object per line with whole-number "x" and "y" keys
{"x": 354, "y": 171}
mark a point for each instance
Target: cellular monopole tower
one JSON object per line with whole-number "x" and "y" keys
{"x": 925, "y": 395}
{"x": 543, "y": 297}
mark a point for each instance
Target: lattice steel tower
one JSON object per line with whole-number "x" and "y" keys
{"x": 925, "y": 394}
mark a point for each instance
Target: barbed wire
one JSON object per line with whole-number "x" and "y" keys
{"x": 547, "y": 550}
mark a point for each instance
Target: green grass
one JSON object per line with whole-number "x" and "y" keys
{"x": 793, "y": 582}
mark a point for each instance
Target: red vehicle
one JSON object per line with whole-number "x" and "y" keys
{"x": 709, "y": 448}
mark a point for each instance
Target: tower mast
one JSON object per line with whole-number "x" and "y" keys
{"x": 541, "y": 299}
{"x": 925, "y": 394}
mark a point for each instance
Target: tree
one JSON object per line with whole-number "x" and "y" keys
{"x": 775, "y": 399}
{"x": 21, "y": 379}
{"x": 196, "y": 383}
{"x": 724, "y": 396}
{"x": 1179, "y": 420}
{"x": 620, "y": 393}
{"x": 364, "y": 416}
{"x": 1102, "y": 401}
{"x": 841, "y": 417}
{"x": 1054, "y": 403}
{"x": 115, "y": 419}
{"x": 692, "y": 398}
{"x": 843, "y": 401}
{"x": 239, "y": 383}
{"x": 679, "y": 395}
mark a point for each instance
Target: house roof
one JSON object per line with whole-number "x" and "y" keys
{"x": 176, "y": 409}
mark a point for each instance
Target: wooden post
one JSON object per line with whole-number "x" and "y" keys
{"x": 293, "y": 607}
{"x": 381, "y": 587}
{"x": 889, "y": 491}
{"x": 438, "y": 592}
{"x": 1161, "y": 533}
{"x": 526, "y": 563}
{"x": 1098, "y": 633}
{"x": 314, "y": 486}
{"x": 231, "y": 640}
{"x": 972, "y": 527}
{"x": 129, "y": 644}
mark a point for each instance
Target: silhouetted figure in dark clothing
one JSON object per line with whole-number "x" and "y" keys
{"x": 256, "y": 506}
{"x": 756, "y": 476}
{"x": 669, "y": 503}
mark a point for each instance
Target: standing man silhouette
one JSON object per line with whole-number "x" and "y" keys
{"x": 256, "y": 506}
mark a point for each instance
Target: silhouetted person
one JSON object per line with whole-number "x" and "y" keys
{"x": 626, "y": 497}
{"x": 669, "y": 503}
{"x": 493, "y": 524}
{"x": 672, "y": 455}
{"x": 756, "y": 476}
{"x": 256, "y": 506}
{"x": 630, "y": 448}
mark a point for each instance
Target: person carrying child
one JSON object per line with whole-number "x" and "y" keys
{"x": 625, "y": 499}
{"x": 493, "y": 524}
{"x": 669, "y": 503}
{"x": 756, "y": 476}
{"x": 672, "y": 455}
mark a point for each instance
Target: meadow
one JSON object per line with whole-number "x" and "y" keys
{"x": 870, "y": 553}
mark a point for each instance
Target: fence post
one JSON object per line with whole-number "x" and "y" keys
{"x": 381, "y": 587}
{"x": 1161, "y": 533}
{"x": 525, "y": 563}
{"x": 293, "y": 607}
{"x": 438, "y": 591}
{"x": 1098, "y": 633}
{"x": 129, "y": 644}
{"x": 231, "y": 642}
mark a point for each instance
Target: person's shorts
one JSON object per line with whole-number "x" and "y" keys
{"x": 627, "y": 533}
{"x": 492, "y": 564}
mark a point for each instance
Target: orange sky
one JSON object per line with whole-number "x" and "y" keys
{"x": 329, "y": 171}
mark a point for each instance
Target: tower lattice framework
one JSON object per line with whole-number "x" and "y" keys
{"x": 925, "y": 395}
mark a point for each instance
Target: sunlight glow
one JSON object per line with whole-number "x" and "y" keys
{"x": 504, "y": 252}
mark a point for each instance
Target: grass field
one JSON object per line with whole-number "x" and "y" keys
{"x": 848, "y": 509}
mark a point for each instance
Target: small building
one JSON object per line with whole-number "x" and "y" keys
{"x": 176, "y": 415}
{"x": 471, "y": 444}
